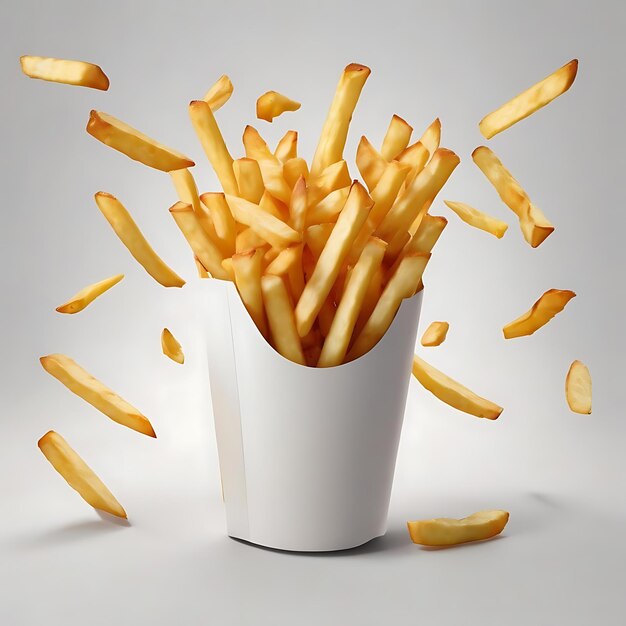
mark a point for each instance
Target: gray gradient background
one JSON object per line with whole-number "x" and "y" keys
{"x": 561, "y": 558}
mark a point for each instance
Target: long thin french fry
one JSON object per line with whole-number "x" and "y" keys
{"x": 88, "y": 294}
{"x": 223, "y": 220}
{"x": 248, "y": 268}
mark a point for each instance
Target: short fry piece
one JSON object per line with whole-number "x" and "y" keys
{"x": 88, "y": 294}
{"x": 294, "y": 169}
{"x": 329, "y": 208}
{"x": 396, "y": 138}
{"x": 435, "y": 334}
{"x": 578, "y": 388}
{"x": 171, "y": 347}
{"x": 370, "y": 162}
{"x": 453, "y": 393}
{"x": 281, "y": 319}
{"x": 219, "y": 93}
{"x": 288, "y": 263}
{"x": 529, "y": 101}
{"x": 287, "y": 147}
{"x": 449, "y": 532}
{"x": 64, "y": 71}
{"x": 130, "y": 235}
{"x": 249, "y": 179}
{"x": 549, "y": 304}
{"x": 135, "y": 145}
{"x": 335, "y": 176}
{"x": 272, "y": 104}
{"x": 432, "y": 137}
{"x": 478, "y": 219}
{"x": 83, "y": 384}
{"x": 78, "y": 474}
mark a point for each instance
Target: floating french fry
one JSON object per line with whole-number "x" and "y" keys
{"x": 578, "y": 388}
{"x": 478, "y": 219}
{"x": 435, "y": 334}
{"x": 272, "y": 104}
{"x": 171, "y": 347}
{"x": 79, "y": 73}
{"x": 88, "y": 294}
{"x": 219, "y": 93}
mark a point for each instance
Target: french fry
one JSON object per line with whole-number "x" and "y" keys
{"x": 272, "y": 104}
{"x": 402, "y": 284}
{"x": 449, "y": 532}
{"x": 298, "y": 205}
{"x": 248, "y": 268}
{"x": 328, "y": 209}
{"x": 288, "y": 263}
{"x": 273, "y": 230}
{"x": 529, "y": 101}
{"x": 281, "y": 319}
{"x": 335, "y": 176}
{"x": 294, "y": 169}
{"x": 370, "y": 300}
{"x": 335, "y": 131}
{"x": 340, "y": 332}
{"x": 78, "y": 475}
{"x": 287, "y": 147}
{"x": 453, "y": 393}
{"x": 396, "y": 138}
{"x": 435, "y": 334}
{"x": 578, "y": 388}
{"x": 249, "y": 179}
{"x": 79, "y": 73}
{"x": 335, "y": 251}
{"x": 227, "y": 265}
{"x": 171, "y": 347}
{"x": 396, "y": 245}
{"x": 130, "y": 235}
{"x": 204, "y": 248}
{"x": 413, "y": 203}
{"x": 248, "y": 239}
{"x": 549, "y": 304}
{"x": 432, "y": 137}
{"x": 135, "y": 145}
{"x": 326, "y": 315}
{"x": 84, "y": 385}
{"x": 370, "y": 162}
{"x": 534, "y": 224}
{"x": 88, "y": 294}
{"x": 316, "y": 237}
{"x": 219, "y": 93}
{"x": 274, "y": 207}
{"x": 202, "y": 271}
{"x": 223, "y": 220}
{"x": 415, "y": 156}
{"x": 212, "y": 143}
{"x": 478, "y": 219}
{"x": 256, "y": 147}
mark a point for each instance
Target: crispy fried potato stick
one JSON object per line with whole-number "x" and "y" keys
{"x": 431, "y": 137}
{"x": 294, "y": 169}
{"x": 370, "y": 162}
{"x": 529, "y": 101}
{"x": 453, "y": 393}
{"x": 335, "y": 176}
{"x": 248, "y": 239}
{"x": 272, "y": 104}
{"x": 130, "y": 235}
{"x": 288, "y": 263}
{"x": 402, "y": 284}
{"x": 435, "y": 334}
{"x": 227, "y": 265}
{"x": 274, "y": 207}
{"x": 372, "y": 296}
{"x": 135, "y": 145}
{"x": 202, "y": 272}
{"x": 396, "y": 138}
{"x": 88, "y": 294}
{"x": 171, "y": 347}
{"x": 248, "y": 268}
{"x": 335, "y": 131}
{"x": 578, "y": 388}
{"x": 329, "y": 208}
{"x": 206, "y": 250}
{"x": 449, "y": 532}
{"x": 223, "y": 220}
{"x": 415, "y": 156}
{"x": 478, "y": 219}
{"x": 64, "y": 71}
{"x": 219, "y": 93}
{"x": 249, "y": 179}
{"x": 287, "y": 147}
{"x": 78, "y": 475}
{"x": 298, "y": 205}
{"x": 549, "y": 304}
{"x": 83, "y": 384}
{"x": 281, "y": 319}
{"x": 316, "y": 237}
{"x": 340, "y": 332}
{"x": 396, "y": 245}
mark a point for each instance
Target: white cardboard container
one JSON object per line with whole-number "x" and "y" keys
{"x": 307, "y": 455}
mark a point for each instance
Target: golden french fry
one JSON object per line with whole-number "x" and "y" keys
{"x": 327, "y": 210}
{"x": 335, "y": 176}
{"x": 340, "y": 332}
{"x": 414, "y": 202}
{"x": 272, "y": 104}
{"x": 478, "y": 219}
{"x": 529, "y": 101}
{"x": 88, "y": 294}
{"x": 78, "y": 475}
{"x": 396, "y": 138}
{"x": 274, "y": 207}
{"x": 227, "y": 265}
{"x": 453, "y": 393}
{"x": 135, "y": 145}
{"x": 535, "y": 226}
{"x": 396, "y": 245}
{"x": 326, "y": 315}
{"x": 219, "y": 93}
{"x": 84, "y": 385}
{"x": 281, "y": 319}
{"x": 370, "y": 162}
{"x": 431, "y": 137}
{"x": 435, "y": 334}
{"x": 171, "y": 347}
{"x": 223, "y": 220}
{"x": 79, "y": 73}
{"x": 248, "y": 239}
{"x": 248, "y": 268}
{"x": 256, "y": 147}
{"x": 273, "y": 230}
{"x": 294, "y": 169}
{"x": 202, "y": 271}
{"x": 130, "y": 235}
{"x": 402, "y": 284}
{"x": 249, "y": 179}
{"x": 212, "y": 142}
{"x": 549, "y": 304}
{"x": 316, "y": 237}
{"x": 372, "y": 296}
{"x": 288, "y": 263}
{"x": 298, "y": 205}
{"x": 578, "y": 388}
{"x": 287, "y": 147}
{"x": 415, "y": 156}
{"x": 449, "y": 532}
{"x": 335, "y": 131}
{"x": 204, "y": 248}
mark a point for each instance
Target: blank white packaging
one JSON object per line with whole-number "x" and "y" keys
{"x": 306, "y": 455}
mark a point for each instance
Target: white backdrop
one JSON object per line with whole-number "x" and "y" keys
{"x": 561, "y": 475}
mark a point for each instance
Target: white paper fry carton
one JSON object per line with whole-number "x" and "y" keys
{"x": 307, "y": 455}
